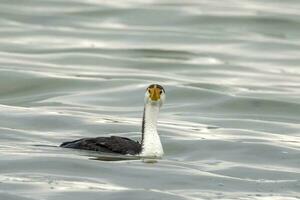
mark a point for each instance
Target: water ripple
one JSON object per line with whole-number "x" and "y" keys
{"x": 230, "y": 126}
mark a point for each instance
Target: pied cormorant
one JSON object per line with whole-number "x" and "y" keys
{"x": 150, "y": 145}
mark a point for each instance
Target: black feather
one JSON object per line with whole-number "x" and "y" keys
{"x": 113, "y": 144}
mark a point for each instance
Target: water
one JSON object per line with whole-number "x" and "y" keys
{"x": 71, "y": 69}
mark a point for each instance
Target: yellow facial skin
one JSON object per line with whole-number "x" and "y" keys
{"x": 154, "y": 93}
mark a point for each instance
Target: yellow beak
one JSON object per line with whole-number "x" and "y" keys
{"x": 154, "y": 94}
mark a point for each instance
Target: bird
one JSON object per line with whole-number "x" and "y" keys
{"x": 150, "y": 145}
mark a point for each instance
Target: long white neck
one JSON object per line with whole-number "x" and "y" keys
{"x": 151, "y": 145}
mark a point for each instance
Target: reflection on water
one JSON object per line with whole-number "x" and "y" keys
{"x": 74, "y": 69}
{"x": 114, "y": 158}
{"x": 123, "y": 158}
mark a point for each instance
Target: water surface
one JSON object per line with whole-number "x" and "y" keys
{"x": 71, "y": 69}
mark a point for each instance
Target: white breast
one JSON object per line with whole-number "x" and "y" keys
{"x": 151, "y": 144}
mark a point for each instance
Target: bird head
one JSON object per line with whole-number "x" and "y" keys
{"x": 155, "y": 94}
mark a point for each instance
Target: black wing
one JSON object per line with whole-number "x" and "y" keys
{"x": 113, "y": 144}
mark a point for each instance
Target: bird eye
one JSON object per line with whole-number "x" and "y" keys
{"x": 160, "y": 92}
